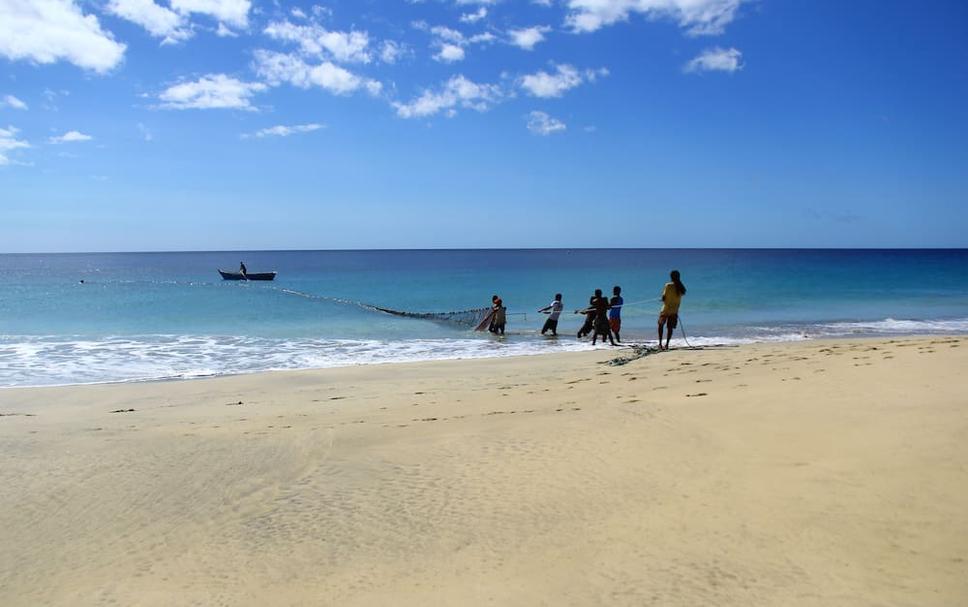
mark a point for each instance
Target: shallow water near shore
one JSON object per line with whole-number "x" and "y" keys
{"x": 141, "y": 316}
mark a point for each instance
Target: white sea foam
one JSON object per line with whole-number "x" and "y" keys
{"x": 33, "y": 361}
{"x": 894, "y": 326}
{"x": 55, "y": 360}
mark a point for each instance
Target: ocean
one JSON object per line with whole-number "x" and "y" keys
{"x": 147, "y": 316}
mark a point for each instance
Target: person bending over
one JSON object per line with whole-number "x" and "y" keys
{"x": 671, "y": 298}
{"x": 553, "y": 310}
{"x": 589, "y": 312}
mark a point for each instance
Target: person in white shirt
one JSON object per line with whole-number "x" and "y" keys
{"x": 553, "y": 311}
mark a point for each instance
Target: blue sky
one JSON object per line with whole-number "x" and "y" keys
{"x": 238, "y": 124}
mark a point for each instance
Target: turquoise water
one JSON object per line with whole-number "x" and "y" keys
{"x": 158, "y": 315}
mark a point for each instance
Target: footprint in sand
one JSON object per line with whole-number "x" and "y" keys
{"x": 697, "y": 394}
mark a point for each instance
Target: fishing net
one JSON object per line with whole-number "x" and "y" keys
{"x": 469, "y": 318}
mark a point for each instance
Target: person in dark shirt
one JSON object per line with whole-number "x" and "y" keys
{"x": 601, "y": 306}
{"x": 589, "y": 312}
{"x": 242, "y": 268}
{"x": 615, "y": 312}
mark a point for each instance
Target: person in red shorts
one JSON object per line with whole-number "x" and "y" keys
{"x": 615, "y": 312}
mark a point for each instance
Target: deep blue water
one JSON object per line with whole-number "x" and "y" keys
{"x": 152, "y": 315}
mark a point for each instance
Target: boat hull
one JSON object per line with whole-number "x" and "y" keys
{"x": 247, "y": 275}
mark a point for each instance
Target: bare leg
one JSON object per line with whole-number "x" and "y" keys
{"x": 660, "y": 334}
{"x": 668, "y": 335}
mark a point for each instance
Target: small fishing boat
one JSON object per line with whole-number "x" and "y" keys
{"x": 247, "y": 275}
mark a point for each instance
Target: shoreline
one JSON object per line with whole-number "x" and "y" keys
{"x": 799, "y": 473}
{"x": 624, "y": 346}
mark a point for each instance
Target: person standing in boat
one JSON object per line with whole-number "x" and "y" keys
{"x": 669, "y": 315}
{"x": 242, "y": 268}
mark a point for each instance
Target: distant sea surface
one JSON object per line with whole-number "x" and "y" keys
{"x": 142, "y": 316}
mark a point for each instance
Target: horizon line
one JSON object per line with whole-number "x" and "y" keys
{"x": 444, "y": 249}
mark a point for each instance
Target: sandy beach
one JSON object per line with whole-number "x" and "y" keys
{"x": 813, "y": 473}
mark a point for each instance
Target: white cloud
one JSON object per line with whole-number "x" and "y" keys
{"x": 70, "y": 137}
{"x": 46, "y": 31}
{"x": 528, "y": 37}
{"x": 51, "y": 96}
{"x": 8, "y": 142}
{"x": 282, "y": 130}
{"x": 716, "y": 59}
{"x": 448, "y": 34}
{"x": 321, "y": 12}
{"x": 449, "y": 42}
{"x": 233, "y": 12}
{"x": 456, "y": 92}
{"x": 541, "y": 123}
{"x": 314, "y": 39}
{"x": 565, "y": 77}
{"x": 474, "y": 17}
{"x": 699, "y": 17}
{"x": 145, "y": 133}
{"x": 13, "y": 102}
{"x": 277, "y": 68}
{"x": 482, "y": 38}
{"x": 173, "y": 24}
{"x": 391, "y": 52}
{"x": 449, "y": 53}
{"x": 159, "y": 21}
{"x": 213, "y": 91}
{"x": 224, "y": 32}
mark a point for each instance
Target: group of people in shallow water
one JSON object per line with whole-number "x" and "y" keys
{"x": 603, "y": 316}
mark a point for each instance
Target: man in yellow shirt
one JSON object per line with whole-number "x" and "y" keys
{"x": 671, "y": 298}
